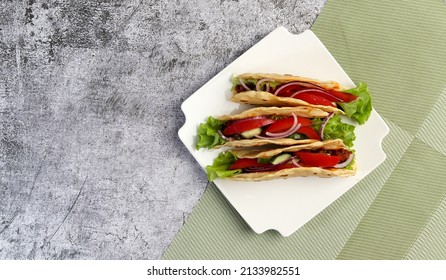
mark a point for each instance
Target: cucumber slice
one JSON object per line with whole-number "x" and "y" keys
{"x": 297, "y": 136}
{"x": 251, "y": 133}
{"x": 281, "y": 158}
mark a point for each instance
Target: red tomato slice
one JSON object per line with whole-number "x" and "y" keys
{"x": 284, "y": 166}
{"x": 323, "y": 94}
{"x": 286, "y": 123}
{"x": 246, "y": 124}
{"x": 314, "y": 99}
{"x": 317, "y": 159}
{"x": 309, "y": 132}
{"x": 331, "y": 95}
{"x": 244, "y": 163}
{"x": 344, "y": 96}
{"x": 289, "y": 90}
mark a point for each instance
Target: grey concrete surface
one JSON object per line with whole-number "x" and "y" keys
{"x": 90, "y": 92}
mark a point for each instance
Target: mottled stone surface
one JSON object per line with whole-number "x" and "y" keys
{"x": 90, "y": 92}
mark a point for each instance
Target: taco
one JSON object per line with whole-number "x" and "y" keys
{"x": 287, "y": 90}
{"x": 324, "y": 159}
{"x": 273, "y": 125}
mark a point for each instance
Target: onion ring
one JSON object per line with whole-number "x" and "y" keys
{"x": 295, "y": 162}
{"x": 226, "y": 138}
{"x": 324, "y": 123}
{"x": 305, "y": 84}
{"x": 346, "y": 162}
{"x": 243, "y": 84}
{"x": 317, "y": 90}
{"x": 294, "y": 127}
{"x": 259, "y": 83}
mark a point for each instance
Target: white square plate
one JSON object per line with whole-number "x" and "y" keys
{"x": 283, "y": 204}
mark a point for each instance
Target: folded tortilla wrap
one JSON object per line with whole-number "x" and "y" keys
{"x": 222, "y": 164}
{"x": 211, "y": 134}
{"x": 262, "y": 89}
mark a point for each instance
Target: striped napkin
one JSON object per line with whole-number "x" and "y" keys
{"x": 399, "y": 210}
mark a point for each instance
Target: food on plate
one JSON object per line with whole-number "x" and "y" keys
{"x": 324, "y": 159}
{"x": 287, "y": 90}
{"x": 273, "y": 125}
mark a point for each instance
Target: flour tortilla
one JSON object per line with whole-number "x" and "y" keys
{"x": 302, "y": 111}
{"x": 264, "y": 98}
{"x": 292, "y": 172}
{"x": 329, "y": 85}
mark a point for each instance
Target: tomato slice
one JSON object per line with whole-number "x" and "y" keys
{"x": 309, "y": 132}
{"x": 317, "y": 159}
{"x": 289, "y": 90}
{"x": 330, "y": 95}
{"x": 246, "y": 124}
{"x": 314, "y": 99}
{"x": 344, "y": 96}
{"x": 244, "y": 163}
{"x": 286, "y": 123}
{"x": 284, "y": 166}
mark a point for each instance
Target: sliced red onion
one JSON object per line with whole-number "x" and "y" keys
{"x": 251, "y": 118}
{"x": 287, "y": 132}
{"x": 294, "y": 127}
{"x": 278, "y": 136}
{"x": 317, "y": 90}
{"x": 266, "y": 167}
{"x": 243, "y": 84}
{"x": 305, "y": 84}
{"x": 259, "y": 168}
{"x": 226, "y": 138}
{"x": 345, "y": 163}
{"x": 295, "y": 162}
{"x": 324, "y": 123}
{"x": 259, "y": 83}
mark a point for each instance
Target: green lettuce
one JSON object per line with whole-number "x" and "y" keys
{"x": 336, "y": 129}
{"x": 208, "y": 136}
{"x": 350, "y": 165}
{"x": 361, "y": 108}
{"x": 235, "y": 81}
{"x": 220, "y": 166}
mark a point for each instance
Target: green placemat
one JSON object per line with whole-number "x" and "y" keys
{"x": 399, "y": 210}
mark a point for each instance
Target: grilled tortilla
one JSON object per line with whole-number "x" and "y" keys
{"x": 330, "y": 96}
{"x": 214, "y": 133}
{"x": 222, "y": 165}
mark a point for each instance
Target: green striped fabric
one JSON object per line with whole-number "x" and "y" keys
{"x": 399, "y": 210}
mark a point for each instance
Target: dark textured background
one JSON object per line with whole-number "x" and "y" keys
{"x": 90, "y": 92}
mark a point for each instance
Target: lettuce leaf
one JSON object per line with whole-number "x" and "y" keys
{"x": 336, "y": 129}
{"x": 235, "y": 81}
{"x": 220, "y": 166}
{"x": 350, "y": 165}
{"x": 208, "y": 136}
{"x": 361, "y": 108}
